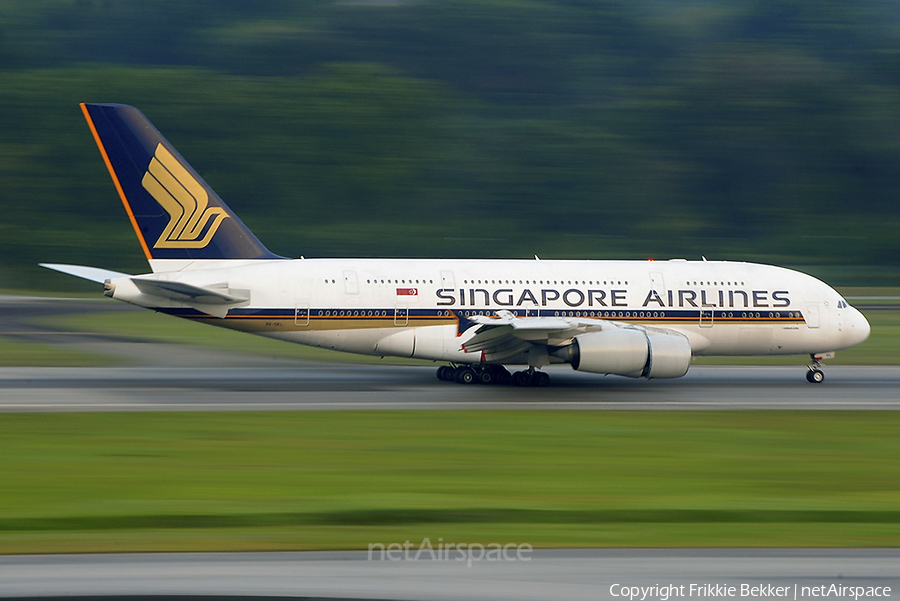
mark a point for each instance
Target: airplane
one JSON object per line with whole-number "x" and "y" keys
{"x": 640, "y": 319}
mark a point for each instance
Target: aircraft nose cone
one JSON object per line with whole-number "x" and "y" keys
{"x": 858, "y": 327}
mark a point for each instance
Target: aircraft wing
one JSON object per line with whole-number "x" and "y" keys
{"x": 494, "y": 332}
{"x": 506, "y": 334}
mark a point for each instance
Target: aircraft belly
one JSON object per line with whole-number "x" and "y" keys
{"x": 753, "y": 340}
{"x": 364, "y": 342}
{"x": 440, "y": 343}
{"x": 436, "y": 343}
{"x": 792, "y": 341}
{"x": 762, "y": 339}
{"x": 400, "y": 343}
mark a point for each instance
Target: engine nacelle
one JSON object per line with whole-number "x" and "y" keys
{"x": 628, "y": 352}
{"x": 670, "y": 355}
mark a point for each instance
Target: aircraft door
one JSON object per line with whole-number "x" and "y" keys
{"x": 657, "y": 284}
{"x": 447, "y": 280}
{"x": 812, "y": 315}
{"x": 301, "y": 315}
{"x": 351, "y": 285}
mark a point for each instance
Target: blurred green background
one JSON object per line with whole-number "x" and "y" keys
{"x": 763, "y": 130}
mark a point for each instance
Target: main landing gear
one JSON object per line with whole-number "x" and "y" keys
{"x": 491, "y": 374}
{"x": 815, "y": 375}
{"x": 530, "y": 377}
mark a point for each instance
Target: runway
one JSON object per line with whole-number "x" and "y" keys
{"x": 573, "y": 575}
{"x": 183, "y": 378}
{"x": 314, "y": 386}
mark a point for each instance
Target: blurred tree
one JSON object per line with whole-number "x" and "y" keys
{"x": 764, "y": 130}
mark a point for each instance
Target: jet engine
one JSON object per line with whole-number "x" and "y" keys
{"x": 629, "y": 352}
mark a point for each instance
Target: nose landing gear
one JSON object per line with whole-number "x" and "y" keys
{"x": 815, "y": 375}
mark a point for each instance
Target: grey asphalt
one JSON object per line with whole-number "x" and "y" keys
{"x": 540, "y": 575}
{"x": 343, "y": 386}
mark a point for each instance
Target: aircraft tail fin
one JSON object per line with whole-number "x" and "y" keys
{"x": 175, "y": 214}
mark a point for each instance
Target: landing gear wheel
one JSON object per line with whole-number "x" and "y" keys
{"x": 445, "y": 373}
{"x": 816, "y": 375}
{"x": 492, "y": 373}
{"x": 466, "y": 375}
{"x": 531, "y": 378}
{"x": 521, "y": 378}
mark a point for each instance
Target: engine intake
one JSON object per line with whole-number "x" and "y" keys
{"x": 630, "y": 352}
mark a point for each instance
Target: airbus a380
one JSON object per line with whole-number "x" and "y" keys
{"x": 642, "y": 319}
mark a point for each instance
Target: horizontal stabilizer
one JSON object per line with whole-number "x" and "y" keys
{"x": 94, "y": 274}
{"x": 215, "y": 299}
{"x": 187, "y": 293}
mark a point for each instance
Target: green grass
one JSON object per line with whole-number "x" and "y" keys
{"x": 317, "y": 480}
{"x": 18, "y": 353}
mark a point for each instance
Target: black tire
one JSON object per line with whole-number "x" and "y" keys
{"x": 445, "y": 373}
{"x": 815, "y": 376}
{"x": 540, "y": 379}
{"x": 466, "y": 375}
{"x": 521, "y": 378}
{"x": 502, "y": 376}
{"x": 486, "y": 376}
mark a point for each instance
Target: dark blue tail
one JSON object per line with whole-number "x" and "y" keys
{"x": 175, "y": 214}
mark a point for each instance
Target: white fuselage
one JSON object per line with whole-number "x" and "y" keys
{"x": 418, "y": 308}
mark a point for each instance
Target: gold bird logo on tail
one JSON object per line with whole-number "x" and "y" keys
{"x": 184, "y": 199}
